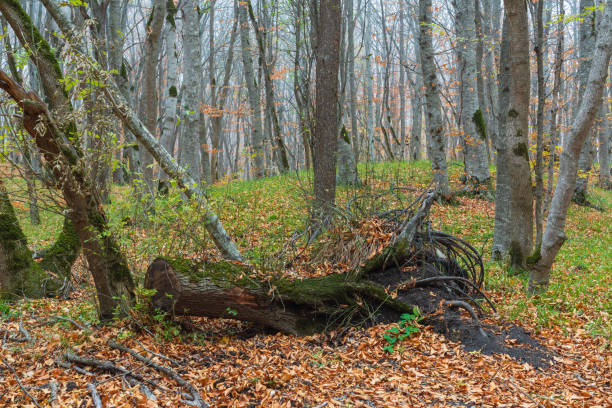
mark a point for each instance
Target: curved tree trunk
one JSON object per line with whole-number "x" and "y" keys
{"x": 114, "y": 285}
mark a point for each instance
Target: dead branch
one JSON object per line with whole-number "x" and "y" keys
{"x": 23, "y": 389}
{"x": 97, "y": 402}
{"x": 158, "y": 355}
{"x": 170, "y": 373}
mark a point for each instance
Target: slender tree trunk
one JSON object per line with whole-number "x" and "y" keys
{"x": 554, "y": 234}
{"x": 325, "y": 138}
{"x": 435, "y": 125}
{"x": 554, "y": 122}
{"x": 351, "y": 77}
{"x": 588, "y": 30}
{"x": 257, "y": 135}
{"x": 170, "y": 92}
{"x": 539, "y": 164}
{"x": 150, "y": 98}
{"x": 192, "y": 77}
{"x": 369, "y": 80}
{"x": 472, "y": 118}
{"x": 605, "y": 134}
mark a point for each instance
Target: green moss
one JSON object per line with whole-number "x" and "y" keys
{"x": 150, "y": 19}
{"x": 535, "y": 257}
{"x": 521, "y": 150}
{"x": 64, "y": 251}
{"x": 35, "y": 40}
{"x": 481, "y": 126}
{"x": 114, "y": 258}
{"x": 23, "y": 276}
{"x": 170, "y": 13}
{"x": 172, "y": 91}
{"x": 123, "y": 72}
{"x": 315, "y": 290}
{"x": 344, "y": 135}
{"x": 224, "y": 274}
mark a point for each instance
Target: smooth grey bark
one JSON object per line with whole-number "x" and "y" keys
{"x": 501, "y": 235}
{"x": 520, "y": 226}
{"x": 369, "y": 80}
{"x": 257, "y": 136}
{"x": 554, "y": 233}
{"x": 588, "y": 32}
{"x": 149, "y": 101}
{"x": 347, "y": 168}
{"x": 435, "y": 124}
{"x": 417, "y": 119}
{"x": 280, "y": 151}
{"x": 472, "y": 118}
{"x": 192, "y": 78}
{"x": 351, "y": 77}
{"x": 170, "y": 91}
{"x": 605, "y": 134}
{"x": 554, "y": 128}
{"x": 539, "y": 164}
{"x": 402, "y": 79}
{"x": 219, "y": 95}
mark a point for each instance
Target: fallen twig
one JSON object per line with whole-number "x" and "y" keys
{"x": 97, "y": 402}
{"x": 24, "y": 333}
{"x": 25, "y": 391}
{"x": 158, "y": 354}
{"x": 107, "y": 366}
{"x": 169, "y": 372}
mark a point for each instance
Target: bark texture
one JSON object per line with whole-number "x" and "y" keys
{"x": 192, "y": 78}
{"x": 554, "y": 233}
{"x": 472, "y": 118}
{"x": 520, "y": 226}
{"x": 325, "y": 136}
{"x": 435, "y": 125}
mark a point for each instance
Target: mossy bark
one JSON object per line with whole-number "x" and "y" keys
{"x": 228, "y": 290}
{"x": 59, "y": 258}
{"x": 19, "y": 275}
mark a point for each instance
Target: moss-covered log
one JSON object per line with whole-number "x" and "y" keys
{"x": 226, "y": 289}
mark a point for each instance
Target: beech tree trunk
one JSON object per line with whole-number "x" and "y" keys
{"x": 472, "y": 118}
{"x": 150, "y": 99}
{"x": 257, "y": 136}
{"x": 520, "y": 227}
{"x": 588, "y": 30}
{"x": 325, "y": 136}
{"x": 435, "y": 125}
{"x": 554, "y": 233}
{"x": 192, "y": 77}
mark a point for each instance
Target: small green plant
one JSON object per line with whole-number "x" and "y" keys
{"x": 405, "y": 327}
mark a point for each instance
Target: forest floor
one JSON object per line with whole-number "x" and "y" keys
{"x": 232, "y": 364}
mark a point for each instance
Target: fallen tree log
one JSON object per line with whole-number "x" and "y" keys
{"x": 380, "y": 287}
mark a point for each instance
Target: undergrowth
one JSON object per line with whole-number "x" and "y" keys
{"x": 264, "y": 217}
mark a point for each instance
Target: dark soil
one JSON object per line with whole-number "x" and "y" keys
{"x": 456, "y": 324}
